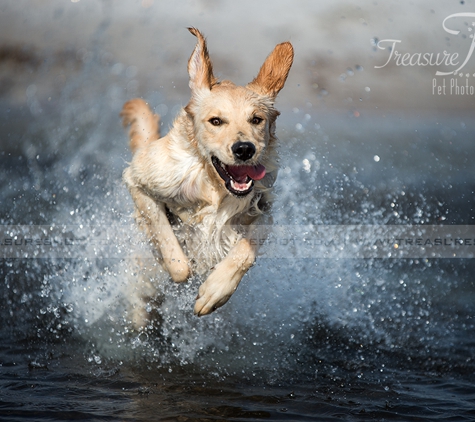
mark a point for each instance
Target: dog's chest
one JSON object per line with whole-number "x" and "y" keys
{"x": 205, "y": 241}
{"x": 206, "y": 234}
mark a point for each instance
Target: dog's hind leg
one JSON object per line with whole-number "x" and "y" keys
{"x": 140, "y": 292}
{"x": 144, "y": 124}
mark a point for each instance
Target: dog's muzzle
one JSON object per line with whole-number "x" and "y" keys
{"x": 239, "y": 179}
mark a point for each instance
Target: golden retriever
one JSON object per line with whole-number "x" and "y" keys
{"x": 202, "y": 190}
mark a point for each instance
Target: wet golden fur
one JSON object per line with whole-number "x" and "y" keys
{"x": 195, "y": 223}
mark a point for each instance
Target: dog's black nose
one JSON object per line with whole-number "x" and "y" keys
{"x": 243, "y": 150}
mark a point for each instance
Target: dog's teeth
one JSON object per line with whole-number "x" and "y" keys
{"x": 238, "y": 186}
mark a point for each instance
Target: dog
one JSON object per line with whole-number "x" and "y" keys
{"x": 202, "y": 192}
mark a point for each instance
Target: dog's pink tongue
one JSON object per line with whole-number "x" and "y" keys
{"x": 239, "y": 173}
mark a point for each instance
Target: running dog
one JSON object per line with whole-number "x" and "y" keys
{"x": 202, "y": 192}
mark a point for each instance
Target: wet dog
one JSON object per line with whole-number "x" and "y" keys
{"x": 202, "y": 191}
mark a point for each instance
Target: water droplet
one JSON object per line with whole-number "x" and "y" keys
{"x": 31, "y": 91}
{"x": 161, "y": 110}
{"x": 131, "y": 72}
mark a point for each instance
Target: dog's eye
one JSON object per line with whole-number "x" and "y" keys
{"x": 215, "y": 121}
{"x": 256, "y": 120}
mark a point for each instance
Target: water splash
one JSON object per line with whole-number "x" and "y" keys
{"x": 286, "y": 311}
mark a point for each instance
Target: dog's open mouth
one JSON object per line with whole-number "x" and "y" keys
{"x": 239, "y": 179}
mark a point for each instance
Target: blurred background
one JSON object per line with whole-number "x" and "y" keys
{"x": 335, "y": 44}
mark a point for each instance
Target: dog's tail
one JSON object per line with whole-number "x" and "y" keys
{"x": 144, "y": 124}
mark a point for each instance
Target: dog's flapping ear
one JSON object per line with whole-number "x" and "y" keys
{"x": 199, "y": 65}
{"x": 274, "y": 71}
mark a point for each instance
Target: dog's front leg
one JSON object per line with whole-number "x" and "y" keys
{"x": 225, "y": 278}
{"x": 161, "y": 234}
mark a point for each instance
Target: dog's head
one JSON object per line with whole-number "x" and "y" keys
{"x": 233, "y": 126}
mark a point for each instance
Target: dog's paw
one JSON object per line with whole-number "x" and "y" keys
{"x": 214, "y": 293}
{"x": 179, "y": 270}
